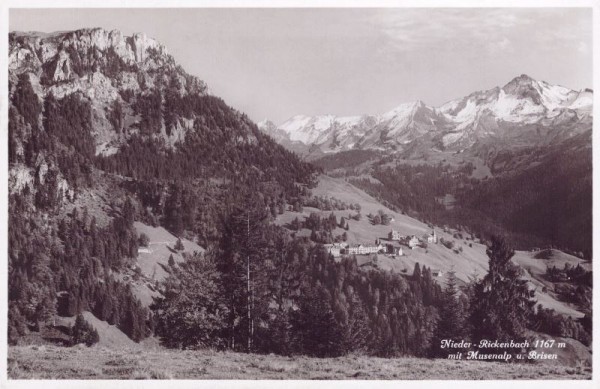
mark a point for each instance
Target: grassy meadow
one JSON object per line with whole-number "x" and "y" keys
{"x": 51, "y": 362}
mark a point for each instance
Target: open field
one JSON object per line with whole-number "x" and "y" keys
{"x": 154, "y": 259}
{"x": 50, "y": 362}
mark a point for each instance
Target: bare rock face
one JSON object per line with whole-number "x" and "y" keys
{"x": 104, "y": 68}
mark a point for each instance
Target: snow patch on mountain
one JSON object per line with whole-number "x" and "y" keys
{"x": 458, "y": 123}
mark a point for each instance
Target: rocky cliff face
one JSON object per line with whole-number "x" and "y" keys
{"x": 107, "y": 69}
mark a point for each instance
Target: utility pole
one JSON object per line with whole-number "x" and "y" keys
{"x": 249, "y": 290}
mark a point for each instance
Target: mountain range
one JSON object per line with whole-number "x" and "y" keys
{"x": 524, "y": 112}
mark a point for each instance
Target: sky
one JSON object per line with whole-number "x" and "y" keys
{"x": 277, "y": 63}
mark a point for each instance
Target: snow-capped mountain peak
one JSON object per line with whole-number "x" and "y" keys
{"x": 493, "y": 113}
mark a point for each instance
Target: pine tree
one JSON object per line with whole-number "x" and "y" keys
{"x": 356, "y": 332}
{"x": 128, "y": 212}
{"x": 417, "y": 271}
{"x": 502, "y": 304}
{"x": 241, "y": 259}
{"x": 179, "y": 245}
{"x": 316, "y": 331}
{"x": 451, "y": 325}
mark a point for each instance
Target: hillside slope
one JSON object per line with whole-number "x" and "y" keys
{"x": 472, "y": 260}
{"x": 104, "y": 130}
{"x": 153, "y": 260}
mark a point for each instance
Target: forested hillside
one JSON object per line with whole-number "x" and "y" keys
{"x": 537, "y": 197}
{"x": 107, "y": 130}
{"x": 64, "y": 253}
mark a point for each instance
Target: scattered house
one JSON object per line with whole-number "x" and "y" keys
{"x": 335, "y": 249}
{"x": 144, "y": 250}
{"x": 431, "y": 238}
{"x": 395, "y": 235}
{"x": 364, "y": 249}
{"x": 412, "y": 242}
{"x": 437, "y": 273}
{"x": 394, "y": 249}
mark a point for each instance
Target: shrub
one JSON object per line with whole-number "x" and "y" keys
{"x": 449, "y": 244}
{"x": 83, "y": 332}
{"x": 144, "y": 240}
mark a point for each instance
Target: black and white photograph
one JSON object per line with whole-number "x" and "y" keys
{"x": 298, "y": 193}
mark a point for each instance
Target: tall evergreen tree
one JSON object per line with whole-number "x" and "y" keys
{"x": 241, "y": 261}
{"x": 451, "y": 323}
{"x": 316, "y": 330}
{"x": 502, "y": 304}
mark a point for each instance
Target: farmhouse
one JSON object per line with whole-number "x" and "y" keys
{"x": 364, "y": 249}
{"x": 335, "y": 249}
{"x": 395, "y": 235}
{"x": 430, "y": 238}
{"x": 412, "y": 242}
{"x": 437, "y": 273}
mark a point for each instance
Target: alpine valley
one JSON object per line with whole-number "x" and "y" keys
{"x": 146, "y": 214}
{"x": 516, "y": 159}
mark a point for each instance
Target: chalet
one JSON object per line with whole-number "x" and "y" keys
{"x": 431, "y": 238}
{"x": 364, "y": 249}
{"x": 335, "y": 249}
{"x": 395, "y": 235}
{"x": 412, "y": 242}
{"x": 437, "y": 273}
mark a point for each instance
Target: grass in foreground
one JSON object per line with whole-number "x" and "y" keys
{"x": 50, "y": 362}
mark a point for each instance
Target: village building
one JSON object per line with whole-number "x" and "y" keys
{"x": 395, "y": 235}
{"x": 412, "y": 242}
{"x": 437, "y": 273}
{"x": 431, "y": 238}
{"x": 394, "y": 249}
{"x": 335, "y": 249}
{"x": 364, "y": 249}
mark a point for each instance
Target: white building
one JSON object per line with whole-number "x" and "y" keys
{"x": 335, "y": 249}
{"x": 431, "y": 238}
{"x": 363, "y": 249}
{"x": 412, "y": 242}
{"x": 394, "y": 249}
{"x": 395, "y": 235}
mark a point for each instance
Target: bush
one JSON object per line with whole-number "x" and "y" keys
{"x": 83, "y": 332}
{"x": 449, "y": 244}
{"x": 143, "y": 240}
